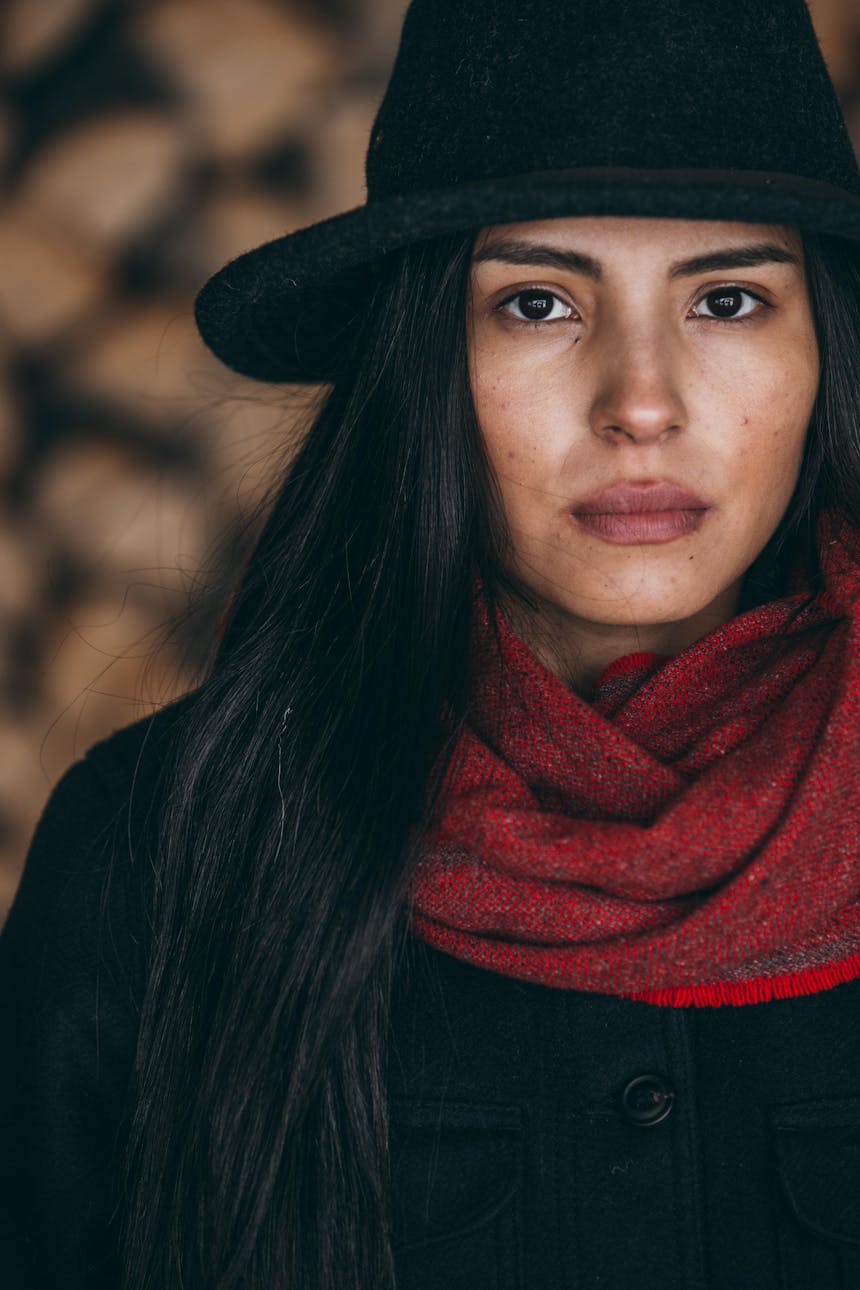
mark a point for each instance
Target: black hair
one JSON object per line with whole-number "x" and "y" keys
{"x": 301, "y": 782}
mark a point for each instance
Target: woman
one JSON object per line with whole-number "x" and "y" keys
{"x": 488, "y": 915}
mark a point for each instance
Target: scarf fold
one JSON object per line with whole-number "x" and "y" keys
{"x": 687, "y": 836}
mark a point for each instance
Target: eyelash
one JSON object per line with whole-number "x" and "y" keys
{"x": 537, "y": 322}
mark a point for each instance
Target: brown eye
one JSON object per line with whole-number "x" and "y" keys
{"x": 535, "y": 306}
{"x": 728, "y": 302}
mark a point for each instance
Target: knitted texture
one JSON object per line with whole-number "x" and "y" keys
{"x": 688, "y": 835}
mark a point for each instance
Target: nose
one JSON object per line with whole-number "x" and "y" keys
{"x": 637, "y": 398}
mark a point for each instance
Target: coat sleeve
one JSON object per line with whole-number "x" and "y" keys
{"x": 70, "y": 960}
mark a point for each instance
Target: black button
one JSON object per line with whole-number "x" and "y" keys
{"x": 647, "y": 1099}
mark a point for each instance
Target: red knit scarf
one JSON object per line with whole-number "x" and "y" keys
{"x": 690, "y": 834}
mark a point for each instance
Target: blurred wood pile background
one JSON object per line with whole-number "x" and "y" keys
{"x": 142, "y": 144}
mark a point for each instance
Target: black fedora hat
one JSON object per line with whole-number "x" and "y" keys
{"x": 505, "y": 110}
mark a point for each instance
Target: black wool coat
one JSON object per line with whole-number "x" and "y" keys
{"x": 541, "y": 1139}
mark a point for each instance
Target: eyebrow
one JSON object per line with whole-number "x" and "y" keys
{"x": 511, "y": 251}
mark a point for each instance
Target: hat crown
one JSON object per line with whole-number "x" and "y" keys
{"x": 488, "y": 90}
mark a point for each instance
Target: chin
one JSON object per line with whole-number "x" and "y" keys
{"x": 609, "y": 601}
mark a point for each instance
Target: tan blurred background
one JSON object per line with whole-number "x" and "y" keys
{"x": 142, "y": 144}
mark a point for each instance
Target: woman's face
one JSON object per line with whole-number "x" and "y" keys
{"x": 609, "y": 351}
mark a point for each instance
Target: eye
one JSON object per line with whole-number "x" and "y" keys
{"x": 731, "y": 303}
{"x": 536, "y": 305}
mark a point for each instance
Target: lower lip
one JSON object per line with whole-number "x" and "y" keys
{"x": 641, "y": 526}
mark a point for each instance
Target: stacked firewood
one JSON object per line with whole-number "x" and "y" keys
{"x": 142, "y": 144}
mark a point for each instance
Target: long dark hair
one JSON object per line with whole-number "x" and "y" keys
{"x": 300, "y": 782}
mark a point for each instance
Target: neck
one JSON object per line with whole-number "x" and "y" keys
{"x": 578, "y": 651}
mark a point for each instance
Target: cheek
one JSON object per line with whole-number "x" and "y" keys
{"x": 763, "y": 452}
{"x": 767, "y": 404}
{"x": 781, "y": 408}
{"x": 525, "y": 424}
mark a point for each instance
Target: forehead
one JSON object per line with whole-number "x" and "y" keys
{"x": 609, "y": 237}
{"x": 607, "y": 248}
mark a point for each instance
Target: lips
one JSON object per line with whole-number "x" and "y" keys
{"x": 629, "y": 498}
{"x": 643, "y": 512}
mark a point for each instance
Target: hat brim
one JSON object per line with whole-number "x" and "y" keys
{"x": 279, "y": 312}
